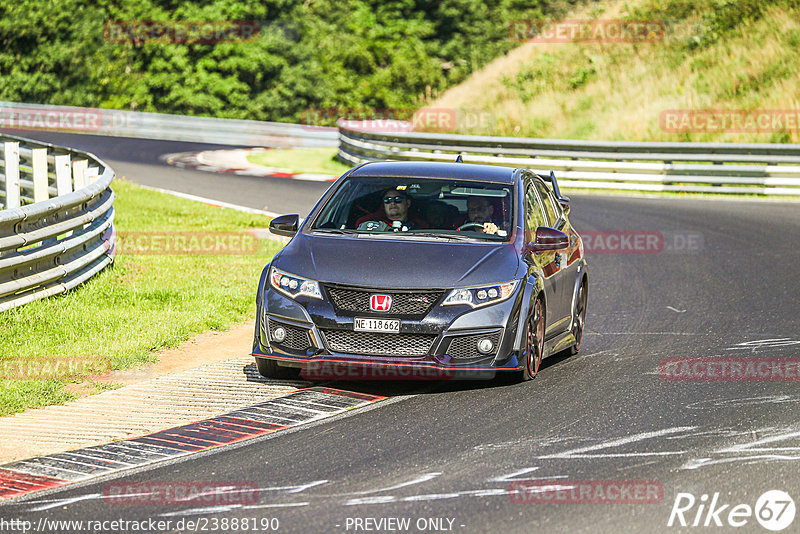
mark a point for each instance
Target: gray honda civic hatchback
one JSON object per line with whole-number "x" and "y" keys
{"x": 420, "y": 270}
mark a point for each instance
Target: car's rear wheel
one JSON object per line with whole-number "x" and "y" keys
{"x": 579, "y": 322}
{"x": 270, "y": 369}
{"x": 534, "y": 341}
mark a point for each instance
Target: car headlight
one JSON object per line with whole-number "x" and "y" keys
{"x": 481, "y": 296}
{"x": 293, "y": 286}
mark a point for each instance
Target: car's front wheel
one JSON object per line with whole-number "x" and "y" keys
{"x": 534, "y": 341}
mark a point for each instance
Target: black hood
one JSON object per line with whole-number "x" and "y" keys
{"x": 398, "y": 263}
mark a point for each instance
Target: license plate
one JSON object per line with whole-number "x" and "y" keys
{"x": 376, "y": 325}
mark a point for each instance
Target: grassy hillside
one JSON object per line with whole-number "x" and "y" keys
{"x": 715, "y": 54}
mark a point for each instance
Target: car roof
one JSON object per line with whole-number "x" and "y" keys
{"x": 430, "y": 169}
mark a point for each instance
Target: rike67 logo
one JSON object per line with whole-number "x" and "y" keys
{"x": 774, "y": 510}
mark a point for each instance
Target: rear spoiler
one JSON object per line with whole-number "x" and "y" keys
{"x": 564, "y": 201}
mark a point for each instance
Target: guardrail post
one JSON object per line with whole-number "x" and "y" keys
{"x": 39, "y": 158}
{"x": 78, "y": 173}
{"x": 11, "y": 158}
{"x": 91, "y": 175}
{"x": 63, "y": 178}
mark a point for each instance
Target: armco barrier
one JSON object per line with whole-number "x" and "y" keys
{"x": 770, "y": 169}
{"x": 162, "y": 126}
{"x": 56, "y": 228}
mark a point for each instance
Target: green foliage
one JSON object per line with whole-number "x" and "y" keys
{"x": 319, "y": 54}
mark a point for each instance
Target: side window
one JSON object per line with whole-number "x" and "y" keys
{"x": 557, "y": 209}
{"x": 534, "y": 216}
{"x": 547, "y": 202}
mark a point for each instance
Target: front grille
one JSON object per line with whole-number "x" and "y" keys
{"x": 369, "y": 343}
{"x": 466, "y": 347}
{"x": 403, "y": 303}
{"x": 296, "y": 338}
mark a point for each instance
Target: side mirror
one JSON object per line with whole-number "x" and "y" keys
{"x": 285, "y": 225}
{"x": 547, "y": 239}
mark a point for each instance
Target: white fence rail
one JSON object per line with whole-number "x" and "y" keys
{"x": 142, "y": 125}
{"x": 56, "y": 222}
{"x": 769, "y": 169}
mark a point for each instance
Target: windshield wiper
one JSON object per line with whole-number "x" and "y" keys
{"x": 333, "y": 231}
{"x": 448, "y": 237}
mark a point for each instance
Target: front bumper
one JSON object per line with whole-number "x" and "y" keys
{"x": 440, "y": 345}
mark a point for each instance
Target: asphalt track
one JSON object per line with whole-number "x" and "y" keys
{"x": 450, "y": 452}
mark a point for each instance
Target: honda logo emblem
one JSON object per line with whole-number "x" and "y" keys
{"x": 380, "y": 303}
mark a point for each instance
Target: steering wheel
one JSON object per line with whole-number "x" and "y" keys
{"x": 469, "y": 225}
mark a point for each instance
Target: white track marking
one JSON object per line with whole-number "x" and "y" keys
{"x": 432, "y": 497}
{"x": 203, "y": 510}
{"x": 764, "y": 344}
{"x": 646, "y": 334}
{"x": 580, "y": 452}
{"x": 55, "y": 503}
{"x": 424, "y": 478}
{"x": 378, "y": 499}
{"x": 274, "y": 505}
{"x": 752, "y": 451}
{"x": 744, "y": 401}
{"x": 204, "y": 200}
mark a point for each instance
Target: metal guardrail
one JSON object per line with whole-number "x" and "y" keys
{"x": 143, "y": 125}
{"x": 769, "y": 169}
{"x": 49, "y": 245}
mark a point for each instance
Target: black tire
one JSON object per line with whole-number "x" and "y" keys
{"x": 579, "y": 324}
{"x": 270, "y": 369}
{"x": 534, "y": 340}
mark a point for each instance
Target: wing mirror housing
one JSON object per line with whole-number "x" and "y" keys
{"x": 285, "y": 225}
{"x": 547, "y": 239}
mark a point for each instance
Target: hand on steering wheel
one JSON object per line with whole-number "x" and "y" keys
{"x": 469, "y": 225}
{"x": 486, "y": 228}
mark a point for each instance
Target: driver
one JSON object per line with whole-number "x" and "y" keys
{"x": 480, "y": 211}
{"x": 395, "y": 214}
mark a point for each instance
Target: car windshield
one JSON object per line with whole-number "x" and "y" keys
{"x": 393, "y": 207}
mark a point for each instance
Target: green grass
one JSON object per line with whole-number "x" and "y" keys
{"x": 141, "y": 304}
{"x": 305, "y": 160}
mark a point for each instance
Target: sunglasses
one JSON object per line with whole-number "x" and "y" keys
{"x": 395, "y": 200}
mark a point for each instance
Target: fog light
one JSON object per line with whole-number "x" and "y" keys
{"x": 279, "y": 334}
{"x": 485, "y": 346}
